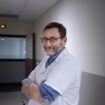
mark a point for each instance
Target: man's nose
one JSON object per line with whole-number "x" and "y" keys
{"x": 48, "y": 43}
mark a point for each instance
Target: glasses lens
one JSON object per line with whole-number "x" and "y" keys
{"x": 51, "y": 39}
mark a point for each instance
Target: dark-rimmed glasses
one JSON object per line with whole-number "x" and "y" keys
{"x": 51, "y": 39}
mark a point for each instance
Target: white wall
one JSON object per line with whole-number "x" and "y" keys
{"x": 84, "y": 20}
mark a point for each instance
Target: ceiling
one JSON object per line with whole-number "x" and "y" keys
{"x": 24, "y": 10}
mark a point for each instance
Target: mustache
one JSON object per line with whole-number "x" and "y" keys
{"x": 48, "y": 47}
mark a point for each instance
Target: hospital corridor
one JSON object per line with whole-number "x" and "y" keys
{"x": 22, "y": 46}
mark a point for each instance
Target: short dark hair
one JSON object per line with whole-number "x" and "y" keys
{"x": 59, "y": 26}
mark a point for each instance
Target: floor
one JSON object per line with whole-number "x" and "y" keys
{"x": 10, "y": 94}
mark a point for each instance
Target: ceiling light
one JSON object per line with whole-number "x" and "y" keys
{"x": 3, "y": 26}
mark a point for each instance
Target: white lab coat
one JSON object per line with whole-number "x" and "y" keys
{"x": 63, "y": 75}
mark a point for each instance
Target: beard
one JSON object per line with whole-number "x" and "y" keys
{"x": 53, "y": 49}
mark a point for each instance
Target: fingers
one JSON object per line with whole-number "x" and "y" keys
{"x": 25, "y": 90}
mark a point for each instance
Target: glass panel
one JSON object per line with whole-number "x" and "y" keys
{"x": 12, "y": 48}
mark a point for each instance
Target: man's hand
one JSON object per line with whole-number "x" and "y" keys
{"x": 25, "y": 90}
{"x": 32, "y": 91}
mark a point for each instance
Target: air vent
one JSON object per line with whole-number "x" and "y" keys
{"x": 15, "y": 16}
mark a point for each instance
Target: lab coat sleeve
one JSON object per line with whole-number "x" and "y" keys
{"x": 33, "y": 74}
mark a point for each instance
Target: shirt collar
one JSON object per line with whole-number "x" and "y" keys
{"x": 52, "y": 58}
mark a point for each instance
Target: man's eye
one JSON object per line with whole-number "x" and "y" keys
{"x": 52, "y": 39}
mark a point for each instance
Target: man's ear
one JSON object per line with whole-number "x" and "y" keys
{"x": 65, "y": 39}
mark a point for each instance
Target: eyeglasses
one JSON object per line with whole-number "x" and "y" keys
{"x": 51, "y": 39}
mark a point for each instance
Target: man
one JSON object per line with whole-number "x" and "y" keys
{"x": 56, "y": 80}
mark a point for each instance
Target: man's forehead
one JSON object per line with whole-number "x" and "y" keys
{"x": 51, "y": 32}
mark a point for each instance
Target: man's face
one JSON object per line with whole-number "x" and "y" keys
{"x": 52, "y": 41}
